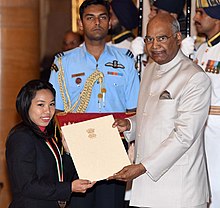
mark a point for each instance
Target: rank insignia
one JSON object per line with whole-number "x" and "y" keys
{"x": 115, "y": 64}
{"x": 54, "y": 67}
{"x": 130, "y": 54}
{"x": 58, "y": 55}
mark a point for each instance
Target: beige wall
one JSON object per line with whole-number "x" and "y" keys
{"x": 55, "y": 20}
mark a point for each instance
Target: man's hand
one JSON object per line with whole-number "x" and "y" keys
{"x": 129, "y": 172}
{"x": 122, "y": 125}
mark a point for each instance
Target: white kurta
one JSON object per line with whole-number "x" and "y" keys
{"x": 212, "y": 131}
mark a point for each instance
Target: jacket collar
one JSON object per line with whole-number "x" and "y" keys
{"x": 214, "y": 40}
{"x": 122, "y": 36}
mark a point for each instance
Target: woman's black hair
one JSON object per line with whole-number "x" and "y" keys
{"x": 87, "y": 3}
{"x": 23, "y": 103}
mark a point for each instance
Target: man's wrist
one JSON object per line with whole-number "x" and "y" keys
{"x": 142, "y": 168}
{"x": 128, "y": 126}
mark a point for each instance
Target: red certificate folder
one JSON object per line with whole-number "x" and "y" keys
{"x": 64, "y": 118}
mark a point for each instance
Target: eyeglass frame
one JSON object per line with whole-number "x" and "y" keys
{"x": 158, "y": 38}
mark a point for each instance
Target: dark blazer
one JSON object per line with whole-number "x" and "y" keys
{"x": 33, "y": 173}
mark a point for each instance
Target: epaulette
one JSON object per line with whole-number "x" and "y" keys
{"x": 129, "y": 54}
{"x": 60, "y": 54}
{"x": 54, "y": 67}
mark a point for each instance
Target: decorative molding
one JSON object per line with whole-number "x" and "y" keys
{"x": 75, "y": 14}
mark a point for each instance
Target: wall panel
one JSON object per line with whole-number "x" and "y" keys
{"x": 19, "y": 62}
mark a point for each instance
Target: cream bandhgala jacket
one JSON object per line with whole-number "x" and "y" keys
{"x": 168, "y": 133}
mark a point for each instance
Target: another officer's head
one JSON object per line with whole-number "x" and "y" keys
{"x": 207, "y": 17}
{"x": 94, "y": 19}
{"x": 71, "y": 40}
{"x": 124, "y": 14}
{"x": 163, "y": 38}
{"x": 173, "y": 7}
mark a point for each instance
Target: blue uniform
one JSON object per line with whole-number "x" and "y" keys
{"x": 122, "y": 87}
{"x": 120, "y": 79}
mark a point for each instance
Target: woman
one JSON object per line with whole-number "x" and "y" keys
{"x": 40, "y": 177}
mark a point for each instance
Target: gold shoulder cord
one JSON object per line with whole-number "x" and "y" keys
{"x": 63, "y": 89}
{"x": 83, "y": 100}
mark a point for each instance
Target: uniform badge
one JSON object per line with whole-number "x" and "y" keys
{"x": 115, "y": 73}
{"x": 78, "y": 80}
{"x": 54, "y": 67}
{"x": 115, "y": 65}
{"x": 213, "y": 66}
{"x": 78, "y": 74}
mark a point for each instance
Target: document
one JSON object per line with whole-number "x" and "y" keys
{"x": 96, "y": 148}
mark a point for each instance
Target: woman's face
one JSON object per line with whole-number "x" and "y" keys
{"x": 42, "y": 107}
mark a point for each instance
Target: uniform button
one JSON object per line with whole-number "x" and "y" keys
{"x": 139, "y": 135}
{"x": 145, "y": 114}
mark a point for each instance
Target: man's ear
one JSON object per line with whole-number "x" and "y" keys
{"x": 179, "y": 38}
{"x": 80, "y": 24}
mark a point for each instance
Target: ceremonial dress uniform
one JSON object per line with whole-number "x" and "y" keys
{"x": 120, "y": 79}
{"x": 121, "y": 86}
{"x": 168, "y": 129}
{"x": 208, "y": 57}
{"x": 123, "y": 40}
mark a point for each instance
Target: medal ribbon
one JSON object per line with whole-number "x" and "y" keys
{"x": 54, "y": 149}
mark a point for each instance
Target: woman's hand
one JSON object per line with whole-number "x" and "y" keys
{"x": 81, "y": 185}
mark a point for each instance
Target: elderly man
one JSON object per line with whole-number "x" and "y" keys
{"x": 173, "y": 104}
{"x": 207, "y": 21}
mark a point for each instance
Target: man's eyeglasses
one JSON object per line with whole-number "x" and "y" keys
{"x": 159, "y": 39}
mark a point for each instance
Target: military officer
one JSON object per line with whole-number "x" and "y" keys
{"x": 96, "y": 78}
{"x": 124, "y": 18}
